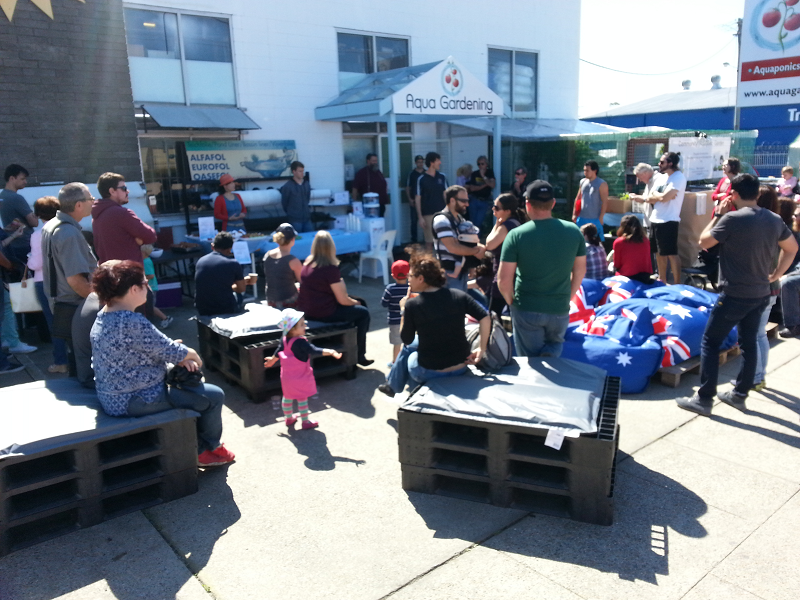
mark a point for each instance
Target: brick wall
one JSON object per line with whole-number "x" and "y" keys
{"x": 66, "y": 108}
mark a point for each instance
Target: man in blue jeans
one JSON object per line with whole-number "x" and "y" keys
{"x": 748, "y": 238}
{"x": 7, "y": 364}
{"x": 541, "y": 267}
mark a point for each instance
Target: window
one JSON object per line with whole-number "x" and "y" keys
{"x": 179, "y": 58}
{"x": 512, "y": 76}
{"x": 360, "y": 55}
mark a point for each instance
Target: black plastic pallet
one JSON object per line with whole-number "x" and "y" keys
{"x": 84, "y": 482}
{"x": 509, "y": 465}
{"x": 241, "y": 360}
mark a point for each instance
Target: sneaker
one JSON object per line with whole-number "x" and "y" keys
{"x": 310, "y": 424}
{"x": 733, "y": 399}
{"x": 215, "y": 458}
{"x": 12, "y": 366}
{"x": 365, "y": 362}
{"x": 58, "y": 369}
{"x": 790, "y": 332}
{"x": 165, "y": 323}
{"x": 761, "y": 385}
{"x": 290, "y": 421}
{"x": 22, "y": 348}
{"x": 386, "y": 389}
{"x": 696, "y": 404}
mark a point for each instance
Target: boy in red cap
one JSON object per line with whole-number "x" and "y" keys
{"x": 392, "y": 295}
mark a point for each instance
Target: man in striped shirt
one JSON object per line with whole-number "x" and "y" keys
{"x": 449, "y": 250}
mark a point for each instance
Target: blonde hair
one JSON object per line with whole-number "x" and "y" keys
{"x": 323, "y": 251}
{"x": 464, "y": 170}
{"x": 279, "y": 238}
{"x": 787, "y": 170}
{"x": 147, "y": 250}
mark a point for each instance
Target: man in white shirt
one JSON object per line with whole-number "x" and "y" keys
{"x": 667, "y": 199}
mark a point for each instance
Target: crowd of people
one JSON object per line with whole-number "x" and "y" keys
{"x": 99, "y": 300}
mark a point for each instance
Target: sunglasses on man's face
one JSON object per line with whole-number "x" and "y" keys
{"x": 122, "y": 187}
{"x": 519, "y": 173}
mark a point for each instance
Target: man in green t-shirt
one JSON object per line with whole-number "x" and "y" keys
{"x": 548, "y": 257}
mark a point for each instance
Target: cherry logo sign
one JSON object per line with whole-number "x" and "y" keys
{"x": 452, "y": 79}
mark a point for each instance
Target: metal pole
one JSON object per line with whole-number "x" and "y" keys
{"x": 394, "y": 169}
{"x": 496, "y": 149}
{"x": 736, "y": 108}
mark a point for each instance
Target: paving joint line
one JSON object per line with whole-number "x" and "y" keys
{"x": 455, "y": 556}
{"x": 180, "y": 557}
{"x": 34, "y": 372}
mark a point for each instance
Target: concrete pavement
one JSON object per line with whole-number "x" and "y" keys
{"x": 705, "y": 508}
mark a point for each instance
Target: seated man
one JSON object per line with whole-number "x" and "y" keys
{"x": 217, "y": 278}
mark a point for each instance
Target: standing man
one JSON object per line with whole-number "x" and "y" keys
{"x": 747, "y": 237}
{"x": 8, "y": 364}
{"x": 548, "y": 257}
{"x": 667, "y": 200}
{"x": 430, "y": 195}
{"x": 371, "y": 180}
{"x": 450, "y": 252}
{"x": 68, "y": 261}
{"x": 592, "y": 196}
{"x": 218, "y": 277}
{"x": 520, "y": 184}
{"x": 480, "y": 186}
{"x": 411, "y": 193}
{"x": 14, "y": 206}
{"x": 295, "y": 196}
{"x": 118, "y": 232}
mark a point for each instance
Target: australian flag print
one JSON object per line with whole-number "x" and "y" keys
{"x": 632, "y": 329}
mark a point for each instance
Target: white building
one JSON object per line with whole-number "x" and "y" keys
{"x": 278, "y": 63}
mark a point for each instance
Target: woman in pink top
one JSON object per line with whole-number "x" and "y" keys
{"x": 45, "y": 208}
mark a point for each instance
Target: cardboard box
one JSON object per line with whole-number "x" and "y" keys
{"x": 615, "y": 205}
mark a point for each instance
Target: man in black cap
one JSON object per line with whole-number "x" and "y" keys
{"x": 548, "y": 256}
{"x": 411, "y": 192}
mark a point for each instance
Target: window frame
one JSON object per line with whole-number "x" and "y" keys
{"x": 372, "y": 35}
{"x": 195, "y": 13}
{"x": 514, "y": 113}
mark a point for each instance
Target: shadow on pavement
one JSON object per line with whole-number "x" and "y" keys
{"x": 313, "y": 444}
{"x": 635, "y": 547}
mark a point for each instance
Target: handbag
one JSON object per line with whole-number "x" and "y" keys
{"x": 23, "y": 295}
{"x": 181, "y": 377}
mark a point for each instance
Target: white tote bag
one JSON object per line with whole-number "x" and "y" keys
{"x": 23, "y": 295}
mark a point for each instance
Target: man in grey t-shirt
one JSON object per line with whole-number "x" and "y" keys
{"x": 748, "y": 239}
{"x": 14, "y": 206}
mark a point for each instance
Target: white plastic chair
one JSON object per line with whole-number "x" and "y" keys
{"x": 382, "y": 253}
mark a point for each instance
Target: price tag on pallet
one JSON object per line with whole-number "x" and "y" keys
{"x": 554, "y": 439}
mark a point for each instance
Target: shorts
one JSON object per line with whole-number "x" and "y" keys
{"x": 394, "y": 335}
{"x": 666, "y": 235}
{"x": 428, "y": 231}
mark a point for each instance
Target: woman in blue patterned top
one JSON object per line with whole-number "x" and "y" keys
{"x": 130, "y": 357}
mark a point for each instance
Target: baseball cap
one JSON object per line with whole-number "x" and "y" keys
{"x": 400, "y": 269}
{"x": 226, "y": 179}
{"x": 289, "y": 318}
{"x": 539, "y": 190}
{"x": 287, "y": 230}
{"x": 419, "y": 157}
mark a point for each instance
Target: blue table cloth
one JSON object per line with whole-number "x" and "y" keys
{"x": 346, "y": 242}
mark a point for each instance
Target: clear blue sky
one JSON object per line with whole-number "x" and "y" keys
{"x": 643, "y": 36}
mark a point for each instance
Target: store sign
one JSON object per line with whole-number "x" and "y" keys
{"x": 258, "y": 159}
{"x": 447, "y": 89}
{"x": 770, "y": 53}
{"x": 701, "y": 158}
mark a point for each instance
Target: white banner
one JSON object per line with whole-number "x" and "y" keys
{"x": 697, "y": 156}
{"x": 769, "y": 71}
{"x": 447, "y": 89}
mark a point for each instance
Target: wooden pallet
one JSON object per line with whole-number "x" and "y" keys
{"x": 671, "y": 376}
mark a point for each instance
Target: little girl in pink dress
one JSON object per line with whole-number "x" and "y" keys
{"x": 297, "y": 377}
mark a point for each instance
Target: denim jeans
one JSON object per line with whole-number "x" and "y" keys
{"x": 790, "y": 298}
{"x": 457, "y": 283}
{"x": 302, "y": 226}
{"x": 763, "y": 343}
{"x": 359, "y": 316}
{"x": 59, "y": 345}
{"x": 538, "y": 334}
{"x": 406, "y": 367}
{"x": 726, "y": 314}
{"x": 206, "y": 399}
{"x": 3, "y": 355}
{"x": 477, "y": 210}
{"x": 9, "y": 334}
